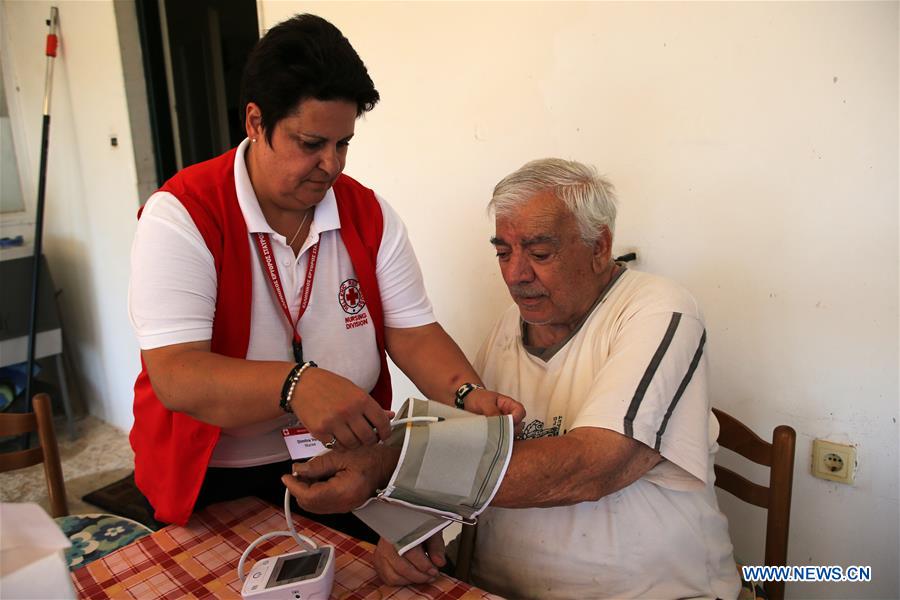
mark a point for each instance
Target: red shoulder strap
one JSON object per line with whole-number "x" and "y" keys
{"x": 362, "y": 225}
{"x": 207, "y": 191}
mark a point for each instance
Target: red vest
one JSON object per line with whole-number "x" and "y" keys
{"x": 171, "y": 449}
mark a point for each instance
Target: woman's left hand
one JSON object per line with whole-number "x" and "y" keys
{"x": 490, "y": 404}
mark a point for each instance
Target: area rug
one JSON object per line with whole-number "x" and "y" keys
{"x": 123, "y": 498}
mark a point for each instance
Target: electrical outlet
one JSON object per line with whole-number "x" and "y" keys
{"x": 835, "y": 462}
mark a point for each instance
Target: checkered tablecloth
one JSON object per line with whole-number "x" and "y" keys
{"x": 200, "y": 560}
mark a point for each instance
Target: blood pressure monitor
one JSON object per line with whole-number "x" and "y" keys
{"x": 306, "y": 575}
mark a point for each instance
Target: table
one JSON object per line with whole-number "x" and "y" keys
{"x": 200, "y": 560}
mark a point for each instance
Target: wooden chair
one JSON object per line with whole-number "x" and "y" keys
{"x": 779, "y": 457}
{"x": 465, "y": 552}
{"x": 41, "y": 420}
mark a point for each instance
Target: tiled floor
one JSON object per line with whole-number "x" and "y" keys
{"x": 98, "y": 456}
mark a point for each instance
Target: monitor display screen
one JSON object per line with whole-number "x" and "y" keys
{"x": 298, "y": 568}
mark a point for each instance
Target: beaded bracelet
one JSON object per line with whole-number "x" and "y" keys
{"x": 287, "y": 389}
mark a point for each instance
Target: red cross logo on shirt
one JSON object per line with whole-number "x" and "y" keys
{"x": 350, "y": 297}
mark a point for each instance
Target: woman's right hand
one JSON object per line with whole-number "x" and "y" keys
{"x": 329, "y": 406}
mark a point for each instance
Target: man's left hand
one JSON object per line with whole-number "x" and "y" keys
{"x": 338, "y": 482}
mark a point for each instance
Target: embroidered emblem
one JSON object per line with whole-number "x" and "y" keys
{"x": 350, "y": 297}
{"x": 536, "y": 429}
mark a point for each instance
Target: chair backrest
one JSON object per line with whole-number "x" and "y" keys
{"x": 465, "y": 552}
{"x": 41, "y": 420}
{"x": 779, "y": 457}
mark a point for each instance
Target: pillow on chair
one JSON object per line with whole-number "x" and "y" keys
{"x": 95, "y": 535}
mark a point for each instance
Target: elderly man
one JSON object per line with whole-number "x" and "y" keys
{"x": 609, "y": 490}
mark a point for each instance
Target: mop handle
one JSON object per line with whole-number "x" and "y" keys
{"x": 52, "y": 43}
{"x": 50, "y": 51}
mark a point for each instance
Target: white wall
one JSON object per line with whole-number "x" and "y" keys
{"x": 91, "y": 197}
{"x": 755, "y": 149}
{"x": 754, "y": 146}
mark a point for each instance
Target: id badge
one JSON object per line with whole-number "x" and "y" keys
{"x": 300, "y": 443}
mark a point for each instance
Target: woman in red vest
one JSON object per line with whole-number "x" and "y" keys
{"x": 268, "y": 287}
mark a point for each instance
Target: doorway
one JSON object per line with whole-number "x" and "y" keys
{"x": 194, "y": 54}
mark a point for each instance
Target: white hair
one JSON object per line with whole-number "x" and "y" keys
{"x": 590, "y": 197}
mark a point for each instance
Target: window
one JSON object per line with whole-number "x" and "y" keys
{"x": 11, "y": 198}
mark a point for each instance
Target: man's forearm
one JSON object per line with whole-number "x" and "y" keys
{"x": 583, "y": 465}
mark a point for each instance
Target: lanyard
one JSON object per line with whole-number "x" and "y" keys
{"x": 268, "y": 263}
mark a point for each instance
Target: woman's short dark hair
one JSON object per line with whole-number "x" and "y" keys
{"x": 298, "y": 59}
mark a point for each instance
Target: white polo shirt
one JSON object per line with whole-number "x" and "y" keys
{"x": 636, "y": 367}
{"x": 172, "y": 299}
